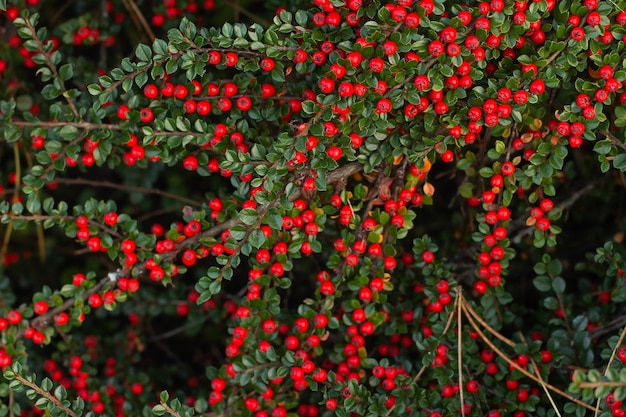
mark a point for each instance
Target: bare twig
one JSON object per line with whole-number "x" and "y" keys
{"x": 52, "y": 66}
{"x": 511, "y": 363}
{"x": 139, "y": 18}
{"x": 542, "y": 383}
{"x": 459, "y": 350}
{"x": 52, "y": 124}
{"x": 123, "y": 187}
{"x": 18, "y": 181}
{"x": 611, "y": 359}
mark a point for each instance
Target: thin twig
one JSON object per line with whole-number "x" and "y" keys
{"x": 52, "y": 66}
{"x": 52, "y": 124}
{"x": 11, "y": 400}
{"x": 237, "y": 7}
{"x": 135, "y": 188}
{"x": 594, "y": 385}
{"x": 413, "y": 382}
{"x": 611, "y": 359}
{"x": 169, "y": 409}
{"x": 491, "y": 330}
{"x": 139, "y": 18}
{"x": 542, "y": 383}
{"x": 175, "y": 331}
{"x": 487, "y": 340}
{"x": 459, "y": 350}
{"x": 18, "y": 182}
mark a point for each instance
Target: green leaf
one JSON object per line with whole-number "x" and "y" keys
{"x": 301, "y": 17}
{"x": 60, "y": 393}
{"x": 274, "y": 220}
{"x": 257, "y": 238}
{"x": 558, "y": 285}
{"x": 542, "y": 283}
{"x": 602, "y": 147}
{"x": 143, "y": 52}
{"x": 66, "y": 72}
{"x": 620, "y": 162}
{"x": 248, "y": 216}
{"x": 164, "y": 397}
{"x": 158, "y": 409}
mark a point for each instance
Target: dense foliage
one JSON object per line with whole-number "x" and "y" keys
{"x": 345, "y": 208}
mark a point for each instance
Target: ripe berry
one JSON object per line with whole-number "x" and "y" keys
{"x": 146, "y": 115}
{"x": 267, "y": 64}
{"x": 40, "y": 307}
{"x": 473, "y": 386}
{"x": 150, "y": 91}
{"x": 190, "y": 163}
{"x": 331, "y": 404}
{"x": 537, "y": 87}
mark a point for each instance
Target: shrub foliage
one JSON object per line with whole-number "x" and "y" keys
{"x": 352, "y": 208}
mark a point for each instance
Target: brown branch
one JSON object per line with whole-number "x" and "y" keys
{"x": 550, "y": 59}
{"x": 139, "y": 17}
{"x": 39, "y": 217}
{"x": 169, "y": 409}
{"x": 45, "y": 394}
{"x": 52, "y": 67}
{"x": 538, "y": 373}
{"x": 594, "y": 385}
{"x": 18, "y": 181}
{"x": 43, "y": 321}
{"x": 511, "y": 363}
{"x": 611, "y": 359}
{"x": 11, "y": 401}
{"x": 52, "y": 124}
{"x": 130, "y": 188}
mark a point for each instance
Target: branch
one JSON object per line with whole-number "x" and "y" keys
{"x": 45, "y": 394}
{"x": 52, "y": 66}
{"x": 466, "y": 309}
{"x": 169, "y": 409}
{"x": 109, "y": 184}
{"x": 81, "y": 125}
{"x": 44, "y": 320}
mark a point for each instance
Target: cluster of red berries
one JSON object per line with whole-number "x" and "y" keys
{"x": 174, "y": 12}
{"x": 87, "y": 36}
{"x": 538, "y": 215}
{"x": 616, "y": 406}
{"x": 78, "y": 379}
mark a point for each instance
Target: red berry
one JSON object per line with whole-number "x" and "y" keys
{"x": 40, "y": 307}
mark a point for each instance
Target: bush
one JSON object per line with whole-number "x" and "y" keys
{"x": 344, "y": 208}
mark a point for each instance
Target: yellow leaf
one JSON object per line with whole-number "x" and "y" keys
{"x": 536, "y": 125}
{"x": 428, "y": 189}
{"x": 526, "y": 137}
{"x": 427, "y": 165}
